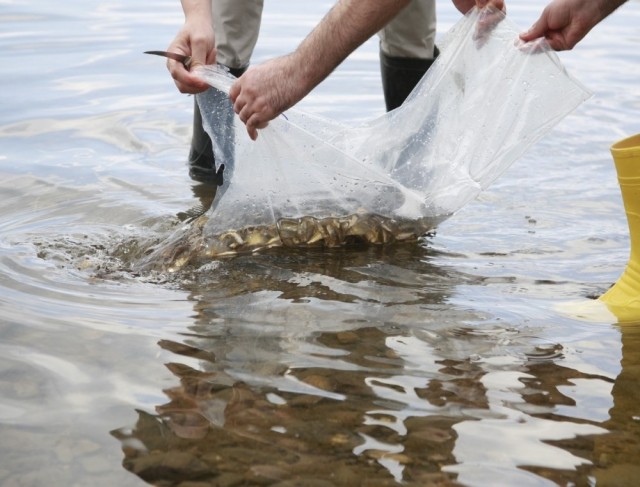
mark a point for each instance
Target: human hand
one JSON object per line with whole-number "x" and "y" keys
{"x": 195, "y": 39}
{"x": 491, "y": 14}
{"x": 564, "y": 23}
{"x": 496, "y": 4}
{"x": 465, "y": 5}
{"x": 265, "y": 91}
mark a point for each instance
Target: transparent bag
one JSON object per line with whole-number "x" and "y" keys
{"x": 309, "y": 181}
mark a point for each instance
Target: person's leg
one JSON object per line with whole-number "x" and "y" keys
{"x": 407, "y": 50}
{"x": 236, "y": 25}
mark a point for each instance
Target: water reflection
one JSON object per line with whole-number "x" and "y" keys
{"x": 347, "y": 368}
{"x": 616, "y": 453}
{"x": 300, "y": 361}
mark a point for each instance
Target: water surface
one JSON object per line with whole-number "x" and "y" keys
{"x": 441, "y": 363}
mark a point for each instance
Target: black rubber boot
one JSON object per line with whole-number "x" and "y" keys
{"x": 400, "y": 75}
{"x": 202, "y": 164}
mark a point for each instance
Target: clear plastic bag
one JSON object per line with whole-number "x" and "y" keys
{"x": 309, "y": 181}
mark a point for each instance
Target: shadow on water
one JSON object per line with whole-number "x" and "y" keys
{"x": 274, "y": 388}
{"x": 360, "y": 419}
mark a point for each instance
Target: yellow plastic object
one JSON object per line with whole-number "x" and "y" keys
{"x": 623, "y": 299}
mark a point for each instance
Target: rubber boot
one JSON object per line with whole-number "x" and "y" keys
{"x": 623, "y": 299}
{"x": 400, "y": 75}
{"x": 202, "y": 164}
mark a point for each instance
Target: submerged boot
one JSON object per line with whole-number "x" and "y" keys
{"x": 202, "y": 164}
{"x": 623, "y": 299}
{"x": 400, "y": 75}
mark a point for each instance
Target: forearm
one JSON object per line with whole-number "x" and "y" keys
{"x": 607, "y": 7}
{"x": 345, "y": 27}
{"x": 196, "y": 9}
{"x": 265, "y": 91}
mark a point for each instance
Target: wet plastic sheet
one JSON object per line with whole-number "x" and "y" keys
{"x": 482, "y": 104}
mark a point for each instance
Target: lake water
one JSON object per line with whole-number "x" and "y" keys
{"x": 443, "y": 363}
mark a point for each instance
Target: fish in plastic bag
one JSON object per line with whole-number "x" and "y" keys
{"x": 310, "y": 181}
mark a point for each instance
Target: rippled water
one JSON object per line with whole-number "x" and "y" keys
{"x": 440, "y": 363}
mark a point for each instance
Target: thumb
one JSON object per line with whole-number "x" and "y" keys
{"x": 537, "y": 30}
{"x": 197, "y": 60}
{"x": 211, "y": 56}
{"x": 199, "y": 54}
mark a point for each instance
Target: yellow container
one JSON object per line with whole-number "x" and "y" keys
{"x": 623, "y": 298}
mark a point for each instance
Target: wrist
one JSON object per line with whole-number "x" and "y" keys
{"x": 197, "y": 11}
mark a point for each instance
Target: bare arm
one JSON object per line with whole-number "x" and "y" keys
{"x": 267, "y": 90}
{"x": 564, "y": 23}
{"x": 194, "y": 39}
